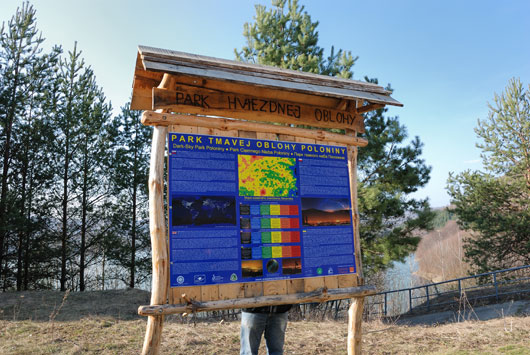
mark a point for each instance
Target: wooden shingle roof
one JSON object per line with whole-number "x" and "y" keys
{"x": 152, "y": 63}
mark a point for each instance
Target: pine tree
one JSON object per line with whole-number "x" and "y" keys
{"x": 91, "y": 183}
{"x": 129, "y": 243}
{"x": 33, "y": 164}
{"x": 287, "y": 38}
{"x": 19, "y": 52}
{"x": 81, "y": 115}
{"x": 389, "y": 169}
{"x": 494, "y": 204}
{"x": 67, "y": 131}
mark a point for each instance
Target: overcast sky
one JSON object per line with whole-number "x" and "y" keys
{"x": 445, "y": 59}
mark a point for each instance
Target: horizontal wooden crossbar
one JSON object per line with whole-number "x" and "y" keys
{"x": 320, "y": 295}
{"x": 151, "y": 118}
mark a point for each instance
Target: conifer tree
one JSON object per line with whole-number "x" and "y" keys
{"x": 494, "y": 204}
{"x": 129, "y": 243}
{"x": 34, "y": 168}
{"x": 92, "y": 184}
{"x": 286, "y": 37}
{"x": 20, "y": 49}
{"x": 389, "y": 168}
{"x": 81, "y": 187}
{"x": 67, "y": 131}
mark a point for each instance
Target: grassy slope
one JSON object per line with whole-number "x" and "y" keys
{"x": 112, "y": 328}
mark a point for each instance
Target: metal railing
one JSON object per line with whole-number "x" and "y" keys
{"x": 436, "y": 296}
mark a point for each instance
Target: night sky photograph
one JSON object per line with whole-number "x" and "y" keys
{"x": 320, "y": 212}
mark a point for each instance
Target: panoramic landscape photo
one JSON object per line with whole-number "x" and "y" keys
{"x": 320, "y": 212}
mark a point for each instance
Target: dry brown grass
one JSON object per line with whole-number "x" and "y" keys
{"x": 111, "y": 336}
{"x": 104, "y": 322}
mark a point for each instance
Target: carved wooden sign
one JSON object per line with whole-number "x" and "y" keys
{"x": 186, "y": 99}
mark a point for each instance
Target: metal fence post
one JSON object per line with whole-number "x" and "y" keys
{"x": 385, "y": 304}
{"x": 496, "y": 287}
{"x": 410, "y": 300}
{"x": 427, "y": 292}
{"x": 459, "y": 287}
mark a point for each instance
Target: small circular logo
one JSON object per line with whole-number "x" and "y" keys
{"x": 233, "y": 277}
{"x": 272, "y": 266}
{"x": 319, "y": 271}
{"x": 180, "y": 280}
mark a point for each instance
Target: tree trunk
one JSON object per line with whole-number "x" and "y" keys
{"x": 10, "y": 118}
{"x": 83, "y": 221}
{"x": 27, "y": 242}
{"x": 103, "y": 272}
{"x": 133, "y": 231}
{"x": 64, "y": 214}
{"x": 22, "y": 228}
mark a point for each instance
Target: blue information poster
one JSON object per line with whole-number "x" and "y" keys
{"x": 245, "y": 210}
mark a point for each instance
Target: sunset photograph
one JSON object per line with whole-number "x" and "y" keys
{"x": 319, "y": 212}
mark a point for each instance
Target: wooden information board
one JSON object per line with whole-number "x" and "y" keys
{"x": 279, "y": 241}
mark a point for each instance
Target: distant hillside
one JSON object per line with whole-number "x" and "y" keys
{"x": 440, "y": 254}
{"x": 443, "y": 215}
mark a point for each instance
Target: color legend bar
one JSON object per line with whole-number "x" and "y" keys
{"x": 284, "y": 251}
{"x": 278, "y": 237}
{"x": 274, "y": 210}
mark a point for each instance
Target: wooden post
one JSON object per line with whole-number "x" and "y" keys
{"x": 157, "y": 225}
{"x": 355, "y": 317}
{"x": 355, "y": 312}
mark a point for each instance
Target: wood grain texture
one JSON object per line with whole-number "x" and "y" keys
{"x": 313, "y": 283}
{"x": 295, "y": 286}
{"x": 320, "y": 295}
{"x": 178, "y": 63}
{"x": 355, "y": 317}
{"x": 238, "y": 88}
{"x": 352, "y": 170}
{"x": 274, "y": 83}
{"x": 287, "y": 137}
{"x": 267, "y": 136}
{"x": 164, "y": 119}
{"x": 159, "y": 247}
{"x": 192, "y": 292}
{"x": 275, "y": 287}
{"x": 231, "y": 291}
{"x": 179, "y": 128}
{"x": 299, "y": 139}
{"x": 191, "y": 100}
{"x": 331, "y": 282}
{"x": 349, "y": 280}
{"x": 209, "y": 293}
{"x": 217, "y": 132}
{"x": 247, "y": 134}
{"x": 253, "y": 289}
{"x": 203, "y": 62}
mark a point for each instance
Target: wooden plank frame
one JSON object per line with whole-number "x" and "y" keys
{"x": 229, "y": 296}
{"x": 197, "y": 297}
{"x": 157, "y": 85}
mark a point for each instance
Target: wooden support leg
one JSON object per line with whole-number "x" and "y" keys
{"x": 153, "y": 335}
{"x": 355, "y": 317}
{"x": 157, "y": 226}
